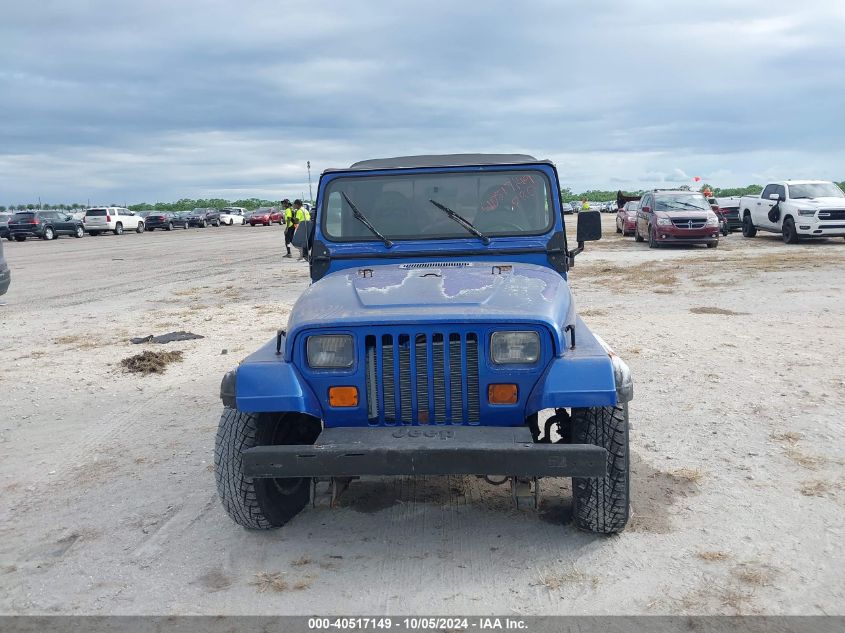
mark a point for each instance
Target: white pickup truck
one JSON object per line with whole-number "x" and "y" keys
{"x": 796, "y": 209}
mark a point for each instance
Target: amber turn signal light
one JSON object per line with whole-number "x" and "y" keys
{"x": 502, "y": 394}
{"x": 343, "y": 396}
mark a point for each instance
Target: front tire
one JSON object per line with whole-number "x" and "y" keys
{"x": 602, "y": 504}
{"x": 80, "y": 232}
{"x": 618, "y": 230}
{"x": 118, "y": 229}
{"x": 170, "y": 226}
{"x": 637, "y": 236}
{"x": 260, "y": 504}
{"x": 139, "y": 228}
{"x": 790, "y": 235}
{"x": 748, "y": 228}
{"x": 49, "y": 234}
{"x": 652, "y": 239}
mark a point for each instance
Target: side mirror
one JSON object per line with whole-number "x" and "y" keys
{"x": 774, "y": 196}
{"x": 588, "y": 226}
{"x": 646, "y": 209}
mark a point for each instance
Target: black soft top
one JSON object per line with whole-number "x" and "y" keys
{"x": 441, "y": 160}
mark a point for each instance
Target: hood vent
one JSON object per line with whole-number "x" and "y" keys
{"x": 434, "y": 265}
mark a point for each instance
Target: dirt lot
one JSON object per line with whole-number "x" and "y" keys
{"x": 107, "y": 499}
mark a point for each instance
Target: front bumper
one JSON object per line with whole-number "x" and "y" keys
{"x": 820, "y": 229}
{"x": 426, "y": 450}
{"x": 669, "y": 234}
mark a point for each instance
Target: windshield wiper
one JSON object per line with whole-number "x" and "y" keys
{"x": 462, "y": 221}
{"x": 363, "y": 220}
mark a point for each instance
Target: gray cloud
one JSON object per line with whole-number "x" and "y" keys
{"x": 159, "y": 100}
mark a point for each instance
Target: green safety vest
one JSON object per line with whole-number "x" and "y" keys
{"x": 302, "y": 215}
{"x": 289, "y": 217}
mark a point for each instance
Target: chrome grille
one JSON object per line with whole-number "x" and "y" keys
{"x": 689, "y": 223}
{"x": 433, "y": 381}
{"x": 832, "y": 214}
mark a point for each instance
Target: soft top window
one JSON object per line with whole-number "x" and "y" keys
{"x": 410, "y": 206}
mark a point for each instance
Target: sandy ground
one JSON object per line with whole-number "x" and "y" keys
{"x": 107, "y": 499}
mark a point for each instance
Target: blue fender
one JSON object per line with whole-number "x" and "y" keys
{"x": 582, "y": 377}
{"x": 264, "y": 382}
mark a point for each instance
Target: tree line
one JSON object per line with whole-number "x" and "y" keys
{"x": 186, "y": 204}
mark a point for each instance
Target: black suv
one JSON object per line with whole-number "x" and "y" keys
{"x": 47, "y": 225}
{"x": 203, "y": 217}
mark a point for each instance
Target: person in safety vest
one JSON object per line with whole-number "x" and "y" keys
{"x": 300, "y": 214}
{"x": 287, "y": 217}
{"x": 585, "y": 206}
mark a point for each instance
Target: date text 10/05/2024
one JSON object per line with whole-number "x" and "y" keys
{"x": 417, "y": 623}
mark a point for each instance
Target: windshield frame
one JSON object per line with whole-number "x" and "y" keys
{"x": 532, "y": 169}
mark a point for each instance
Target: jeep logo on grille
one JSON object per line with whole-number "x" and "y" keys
{"x": 443, "y": 434}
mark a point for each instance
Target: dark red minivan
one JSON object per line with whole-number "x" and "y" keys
{"x": 676, "y": 217}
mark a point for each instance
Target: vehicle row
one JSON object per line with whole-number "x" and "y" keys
{"x": 49, "y": 225}
{"x": 796, "y": 209}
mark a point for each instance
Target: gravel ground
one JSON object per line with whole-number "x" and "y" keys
{"x": 107, "y": 499}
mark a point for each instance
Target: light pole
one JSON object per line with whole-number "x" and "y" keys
{"x": 310, "y": 195}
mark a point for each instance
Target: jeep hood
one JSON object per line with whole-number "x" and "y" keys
{"x": 452, "y": 292}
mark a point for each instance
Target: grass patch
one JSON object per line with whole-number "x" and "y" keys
{"x": 299, "y": 562}
{"x": 715, "y": 310}
{"x": 789, "y": 437}
{"x": 149, "y": 362}
{"x": 267, "y": 581}
{"x": 713, "y": 556}
{"x": 554, "y": 581}
{"x": 810, "y": 462}
{"x": 815, "y": 488}
{"x": 686, "y": 475}
{"x": 303, "y": 583}
{"x": 648, "y": 276}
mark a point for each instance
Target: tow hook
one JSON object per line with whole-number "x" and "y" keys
{"x": 525, "y": 493}
{"x": 325, "y": 491}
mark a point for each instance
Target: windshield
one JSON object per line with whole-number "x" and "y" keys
{"x": 631, "y": 207}
{"x": 681, "y": 202}
{"x": 411, "y": 206}
{"x": 815, "y": 190}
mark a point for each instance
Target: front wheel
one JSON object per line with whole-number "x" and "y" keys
{"x": 20, "y": 238}
{"x": 602, "y": 504}
{"x": 260, "y": 504}
{"x": 652, "y": 239}
{"x": 80, "y": 232}
{"x": 170, "y": 226}
{"x": 618, "y": 230}
{"x": 748, "y": 228}
{"x": 637, "y": 236}
{"x": 118, "y": 229}
{"x": 49, "y": 234}
{"x": 790, "y": 235}
{"x": 185, "y": 226}
{"x": 139, "y": 228}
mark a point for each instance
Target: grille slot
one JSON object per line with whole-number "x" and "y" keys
{"x": 433, "y": 381}
{"x": 434, "y": 265}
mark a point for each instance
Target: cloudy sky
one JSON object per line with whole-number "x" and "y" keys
{"x": 147, "y": 100}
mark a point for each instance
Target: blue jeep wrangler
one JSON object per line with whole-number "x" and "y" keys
{"x": 438, "y": 326}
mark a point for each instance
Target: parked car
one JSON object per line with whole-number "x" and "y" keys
{"x": 5, "y": 275}
{"x": 202, "y": 217}
{"x": 626, "y": 218}
{"x": 115, "y": 219}
{"x": 166, "y": 221}
{"x": 4, "y": 224}
{"x": 266, "y": 216}
{"x": 47, "y": 225}
{"x": 796, "y": 209}
{"x": 429, "y": 348}
{"x": 729, "y": 209}
{"x": 676, "y": 216}
{"x": 232, "y": 215}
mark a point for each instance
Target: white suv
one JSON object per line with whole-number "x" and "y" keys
{"x": 232, "y": 215}
{"x": 115, "y": 219}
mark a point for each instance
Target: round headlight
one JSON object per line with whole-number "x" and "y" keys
{"x": 511, "y": 348}
{"x": 330, "y": 351}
